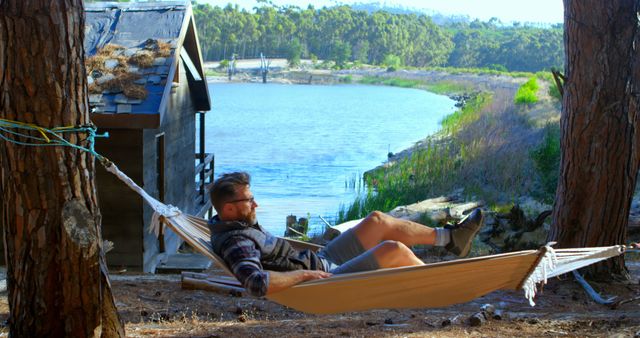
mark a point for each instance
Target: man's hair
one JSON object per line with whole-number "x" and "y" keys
{"x": 224, "y": 188}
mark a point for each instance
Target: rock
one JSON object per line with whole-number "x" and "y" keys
{"x": 111, "y": 63}
{"x": 131, "y": 52}
{"x": 120, "y": 98}
{"x": 488, "y": 309}
{"x": 104, "y": 78}
{"x": 477, "y": 319}
{"x": 159, "y": 61}
{"x": 498, "y": 315}
{"x": 441, "y": 216}
{"x": 533, "y": 239}
{"x": 451, "y": 321}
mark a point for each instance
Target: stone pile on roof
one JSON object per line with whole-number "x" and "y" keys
{"x": 133, "y": 56}
{"x": 118, "y": 77}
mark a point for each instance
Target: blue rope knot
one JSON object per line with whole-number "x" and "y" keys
{"x": 10, "y": 131}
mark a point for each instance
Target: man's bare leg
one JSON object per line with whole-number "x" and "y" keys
{"x": 393, "y": 254}
{"x": 378, "y": 227}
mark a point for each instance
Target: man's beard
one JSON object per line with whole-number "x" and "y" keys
{"x": 250, "y": 218}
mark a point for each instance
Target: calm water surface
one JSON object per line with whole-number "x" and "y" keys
{"x": 301, "y": 144}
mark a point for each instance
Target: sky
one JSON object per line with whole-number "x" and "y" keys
{"x": 539, "y": 11}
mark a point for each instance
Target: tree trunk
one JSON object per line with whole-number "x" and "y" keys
{"x": 600, "y": 135}
{"x": 56, "y": 277}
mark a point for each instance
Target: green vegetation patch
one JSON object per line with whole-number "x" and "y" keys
{"x": 469, "y": 113}
{"x": 527, "y": 93}
{"x": 547, "y": 162}
{"x": 447, "y": 87}
{"x": 391, "y": 81}
{"x": 442, "y": 87}
{"x": 481, "y": 71}
{"x": 431, "y": 170}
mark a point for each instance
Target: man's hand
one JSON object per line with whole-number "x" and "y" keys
{"x": 308, "y": 275}
{"x": 281, "y": 280}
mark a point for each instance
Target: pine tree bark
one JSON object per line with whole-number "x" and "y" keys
{"x": 599, "y": 123}
{"x": 56, "y": 274}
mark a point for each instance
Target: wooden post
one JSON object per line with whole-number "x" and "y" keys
{"x": 264, "y": 67}
{"x": 291, "y": 221}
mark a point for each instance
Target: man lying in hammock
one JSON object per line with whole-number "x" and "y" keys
{"x": 265, "y": 264}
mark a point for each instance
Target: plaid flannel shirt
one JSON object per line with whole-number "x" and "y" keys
{"x": 243, "y": 258}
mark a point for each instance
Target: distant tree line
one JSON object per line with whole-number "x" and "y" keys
{"x": 343, "y": 34}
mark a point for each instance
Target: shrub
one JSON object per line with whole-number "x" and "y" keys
{"x": 392, "y": 62}
{"x": 498, "y": 67}
{"x": 293, "y": 53}
{"x": 546, "y": 158}
{"x": 466, "y": 115}
{"x": 554, "y": 91}
{"x": 526, "y": 94}
{"x": 345, "y": 79}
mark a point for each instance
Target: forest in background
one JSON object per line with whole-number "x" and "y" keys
{"x": 346, "y": 35}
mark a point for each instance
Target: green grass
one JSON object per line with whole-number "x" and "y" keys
{"x": 527, "y": 93}
{"x": 480, "y": 71}
{"x": 215, "y": 72}
{"x": 547, "y": 162}
{"x": 390, "y": 81}
{"x": 430, "y": 170}
{"x": 441, "y": 87}
{"x": 468, "y": 114}
{"x": 446, "y": 87}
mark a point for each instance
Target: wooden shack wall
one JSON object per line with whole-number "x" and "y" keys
{"x": 121, "y": 208}
{"x": 179, "y": 131}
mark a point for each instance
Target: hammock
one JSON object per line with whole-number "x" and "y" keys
{"x": 432, "y": 285}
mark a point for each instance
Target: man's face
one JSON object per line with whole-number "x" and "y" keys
{"x": 243, "y": 207}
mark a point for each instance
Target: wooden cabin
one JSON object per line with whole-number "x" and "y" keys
{"x": 149, "y": 92}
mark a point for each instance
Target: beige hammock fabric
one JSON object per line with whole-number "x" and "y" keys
{"x": 431, "y": 285}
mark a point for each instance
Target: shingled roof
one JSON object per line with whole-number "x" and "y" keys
{"x": 132, "y": 55}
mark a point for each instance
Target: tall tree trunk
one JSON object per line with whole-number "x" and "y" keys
{"x": 57, "y": 278}
{"x": 600, "y": 134}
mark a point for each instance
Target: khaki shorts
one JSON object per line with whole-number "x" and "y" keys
{"x": 345, "y": 254}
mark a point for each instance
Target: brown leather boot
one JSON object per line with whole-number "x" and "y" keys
{"x": 462, "y": 234}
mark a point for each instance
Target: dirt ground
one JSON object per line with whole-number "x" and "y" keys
{"x": 156, "y": 306}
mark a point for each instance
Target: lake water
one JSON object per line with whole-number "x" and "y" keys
{"x": 302, "y": 144}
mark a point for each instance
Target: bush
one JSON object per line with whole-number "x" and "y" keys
{"x": 498, "y": 67}
{"x": 345, "y": 79}
{"x": 392, "y": 62}
{"x": 223, "y": 64}
{"x": 526, "y": 94}
{"x": 546, "y": 158}
{"x": 293, "y": 53}
{"x": 554, "y": 91}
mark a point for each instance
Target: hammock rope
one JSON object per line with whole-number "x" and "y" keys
{"x": 20, "y": 133}
{"x": 375, "y": 293}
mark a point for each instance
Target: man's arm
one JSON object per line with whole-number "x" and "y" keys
{"x": 281, "y": 280}
{"x": 243, "y": 258}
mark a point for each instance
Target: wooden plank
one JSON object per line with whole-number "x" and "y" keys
{"x": 207, "y": 160}
{"x": 189, "y": 283}
{"x": 126, "y": 121}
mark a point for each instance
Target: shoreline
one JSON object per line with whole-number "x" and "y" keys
{"x": 472, "y": 82}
